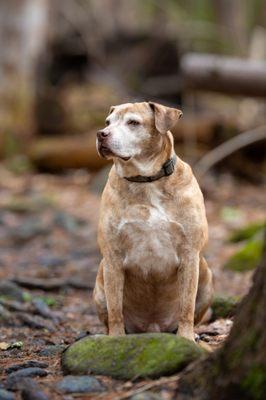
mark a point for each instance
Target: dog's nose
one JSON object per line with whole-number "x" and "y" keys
{"x": 102, "y": 134}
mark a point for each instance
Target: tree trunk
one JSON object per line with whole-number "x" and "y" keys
{"x": 23, "y": 25}
{"x": 238, "y": 370}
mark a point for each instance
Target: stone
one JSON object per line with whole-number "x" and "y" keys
{"x": 33, "y": 394}
{"x": 6, "y": 395}
{"x": 9, "y": 290}
{"x": 52, "y": 350}
{"x": 130, "y": 356}
{"x": 15, "y": 378}
{"x": 79, "y": 384}
{"x": 26, "y": 364}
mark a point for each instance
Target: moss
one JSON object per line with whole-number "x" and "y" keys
{"x": 130, "y": 356}
{"x": 248, "y": 232}
{"x": 224, "y": 307}
{"x": 246, "y": 258}
{"x": 255, "y": 382}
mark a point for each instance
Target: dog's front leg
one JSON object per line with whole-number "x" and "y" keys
{"x": 114, "y": 288}
{"x": 187, "y": 279}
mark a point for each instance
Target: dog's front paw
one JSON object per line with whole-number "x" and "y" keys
{"x": 117, "y": 331}
{"x": 187, "y": 333}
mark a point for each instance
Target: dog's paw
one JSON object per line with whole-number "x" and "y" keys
{"x": 117, "y": 332}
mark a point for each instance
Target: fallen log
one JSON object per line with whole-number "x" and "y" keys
{"x": 57, "y": 153}
{"x": 224, "y": 74}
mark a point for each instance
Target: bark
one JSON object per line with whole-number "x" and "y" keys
{"x": 23, "y": 25}
{"x": 238, "y": 370}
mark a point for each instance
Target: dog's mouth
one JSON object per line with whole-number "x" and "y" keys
{"x": 105, "y": 152}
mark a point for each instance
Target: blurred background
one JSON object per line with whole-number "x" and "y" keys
{"x": 62, "y": 65}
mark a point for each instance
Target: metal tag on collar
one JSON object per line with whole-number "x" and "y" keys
{"x": 169, "y": 166}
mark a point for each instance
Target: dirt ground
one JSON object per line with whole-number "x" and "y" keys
{"x": 48, "y": 247}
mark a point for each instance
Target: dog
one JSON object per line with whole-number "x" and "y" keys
{"x": 152, "y": 228}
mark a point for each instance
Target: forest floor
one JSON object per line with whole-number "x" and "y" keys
{"x": 48, "y": 263}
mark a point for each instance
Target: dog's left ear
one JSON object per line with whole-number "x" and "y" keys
{"x": 165, "y": 117}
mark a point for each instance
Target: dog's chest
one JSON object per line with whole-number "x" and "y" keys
{"x": 149, "y": 236}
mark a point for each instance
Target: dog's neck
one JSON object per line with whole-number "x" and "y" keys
{"x": 146, "y": 165}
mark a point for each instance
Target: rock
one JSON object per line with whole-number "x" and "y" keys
{"x": 5, "y": 395}
{"x": 27, "y": 364}
{"x": 9, "y": 290}
{"x": 52, "y": 350}
{"x": 79, "y": 384}
{"x": 14, "y": 379}
{"x": 127, "y": 357}
{"x": 224, "y": 307}
{"x": 248, "y": 257}
{"x": 33, "y": 394}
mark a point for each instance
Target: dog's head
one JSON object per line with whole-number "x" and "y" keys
{"x": 135, "y": 128}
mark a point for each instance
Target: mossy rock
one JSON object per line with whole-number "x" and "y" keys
{"x": 224, "y": 307}
{"x": 246, "y": 233}
{"x": 131, "y": 356}
{"x": 246, "y": 258}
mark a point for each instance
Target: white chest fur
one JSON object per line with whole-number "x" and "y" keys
{"x": 149, "y": 236}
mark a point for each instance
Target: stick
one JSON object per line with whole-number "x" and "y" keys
{"x": 227, "y": 148}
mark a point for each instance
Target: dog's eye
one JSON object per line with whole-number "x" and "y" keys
{"x": 133, "y": 122}
{"x": 107, "y": 122}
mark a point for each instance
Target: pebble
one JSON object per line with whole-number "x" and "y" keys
{"x": 52, "y": 350}
{"x": 27, "y": 364}
{"x": 11, "y": 291}
{"x": 33, "y": 394}
{"x": 79, "y": 384}
{"x": 14, "y": 379}
{"x": 5, "y": 395}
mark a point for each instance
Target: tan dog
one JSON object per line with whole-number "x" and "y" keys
{"x": 152, "y": 229}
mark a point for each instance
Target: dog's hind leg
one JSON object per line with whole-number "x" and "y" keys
{"x": 205, "y": 291}
{"x": 99, "y": 297}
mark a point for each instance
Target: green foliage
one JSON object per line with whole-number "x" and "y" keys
{"x": 247, "y": 232}
{"x": 224, "y": 307}
{"x": 130, "y": 356}
{"x": 246, "y": 258}
{"x": 49, "y": 300}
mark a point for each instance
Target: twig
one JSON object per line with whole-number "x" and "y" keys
{"x": 227, "y": 148}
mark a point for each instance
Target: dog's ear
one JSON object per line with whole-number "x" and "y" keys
{"x": 165, "y": 117}
{"x": 111, "y": 110}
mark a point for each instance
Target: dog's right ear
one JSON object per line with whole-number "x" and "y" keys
{"x": 165, "y": 117}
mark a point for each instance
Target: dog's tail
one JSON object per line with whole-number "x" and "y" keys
{"x": 154, "y": 328}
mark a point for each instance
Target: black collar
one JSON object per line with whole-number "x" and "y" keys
{"x": 166, "y": 170}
